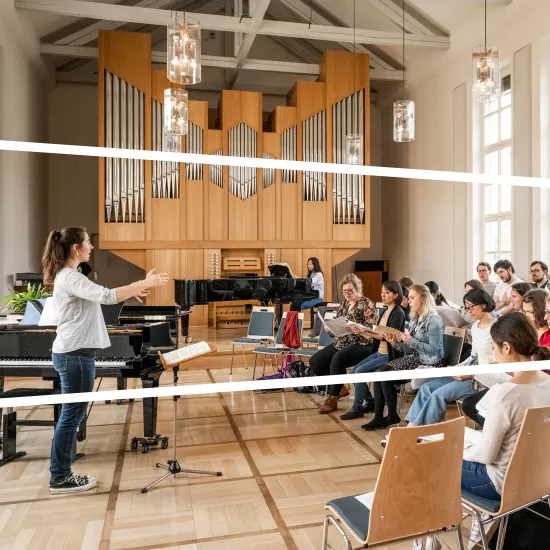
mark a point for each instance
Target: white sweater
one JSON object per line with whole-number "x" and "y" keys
{"x": 506, "y": 406}
{"x": 481, "y": 344}
{"x": 77, "y": 304}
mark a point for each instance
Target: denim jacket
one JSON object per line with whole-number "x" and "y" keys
{"x": 427, "y": 340}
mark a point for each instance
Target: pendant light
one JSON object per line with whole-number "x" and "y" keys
{"x": 354, "y": 141}
{"x": 403, "y": 110}
{"x": 183, "y": 50}
{"x": 176, "y": 109}
{"x": 486, "y": 70}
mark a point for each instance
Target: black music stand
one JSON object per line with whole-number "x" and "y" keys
{"x": 173, "y": 467}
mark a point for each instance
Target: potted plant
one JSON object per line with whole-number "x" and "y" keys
{"x": 16, "y": 302}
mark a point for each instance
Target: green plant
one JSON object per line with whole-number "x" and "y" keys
{"x": 17, "y": 301}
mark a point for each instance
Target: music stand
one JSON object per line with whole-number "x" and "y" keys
{"x": 173, "y": 467}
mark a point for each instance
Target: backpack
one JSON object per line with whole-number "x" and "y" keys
{"x": 298, "y": 369}
{"x": 291, "y": 334}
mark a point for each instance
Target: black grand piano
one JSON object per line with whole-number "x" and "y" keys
{"x": 25, "y": 352}
{"x": 278, "y": 288}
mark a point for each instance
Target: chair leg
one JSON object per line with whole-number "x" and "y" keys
{"x": 232, "y": 356}
{"x": 484, "y": 541}
{"x": 244, "y": 357}
{"x": 254, "y": 371}
{"x": 459, "y": 536}
{"x": 502, "y": 532}
{"x": 330, "y": 520}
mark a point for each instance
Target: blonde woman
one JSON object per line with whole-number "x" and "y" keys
{"x": 350, "y": 349}
{"x": 423, "y": 345}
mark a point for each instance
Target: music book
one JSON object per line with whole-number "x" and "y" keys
{"x": 492, "y": 379}
{"x": 187, "y": 353}
{"x": 382, "y": 330}
{"x": 338, "y": 326}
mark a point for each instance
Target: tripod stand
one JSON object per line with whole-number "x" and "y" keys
{"x": 173, "y": 467}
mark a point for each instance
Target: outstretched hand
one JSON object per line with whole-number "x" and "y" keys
{"x": 142, "y": 294}
{"x": 156, "y": 279}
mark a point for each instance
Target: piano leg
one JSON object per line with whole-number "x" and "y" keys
{"x": 9, "y": 441}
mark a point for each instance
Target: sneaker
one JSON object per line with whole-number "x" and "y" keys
{"x": 73, "y": 484}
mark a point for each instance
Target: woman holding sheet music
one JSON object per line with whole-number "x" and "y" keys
{"x": 430, "y": 404}
{"x": 81, "y": 331}
{"x": 423, "y": 345}
{"x": 382, "y": 353}
{"x": 350, "y": 349}
{"x": 485, "y": 463}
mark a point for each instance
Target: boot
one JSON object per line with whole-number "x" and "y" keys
{"x": 344, "y": 392}
{"x": 368, "y": 407}
{"x": 330, "y": 405}
{"x": 353, "y": 413}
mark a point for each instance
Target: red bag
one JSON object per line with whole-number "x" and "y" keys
{"x": 291, "y": 334}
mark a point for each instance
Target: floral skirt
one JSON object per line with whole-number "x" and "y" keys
{"x": 411, "y": 361}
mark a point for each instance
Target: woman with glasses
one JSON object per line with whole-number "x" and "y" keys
{"x": 430, "y": 404}
{"x": 350, "y": 349}
{"x": 422, "y": 345}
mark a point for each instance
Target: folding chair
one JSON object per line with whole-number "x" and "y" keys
{"x": 324, "y": 340}
{"x": 278, "y": 348}
{"x": 416, "y": 493}
{"x": 260, "y": 329}
{"x": 527, "y": 479}
{"x": 315, "y": 340}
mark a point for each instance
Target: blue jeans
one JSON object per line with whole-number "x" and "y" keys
{"x": 77, "y": 374}
{"x": 370, "y": 364}
{"x": 476, "y": 480}
{"x": 311, "y": 303}
{"x": 431, "y": 401}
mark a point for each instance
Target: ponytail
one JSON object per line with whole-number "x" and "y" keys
{"x": 58, "y": 250}
{"x": 542, "y": 353}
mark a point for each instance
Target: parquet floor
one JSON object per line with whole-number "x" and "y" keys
{"x": 281, "y": 462}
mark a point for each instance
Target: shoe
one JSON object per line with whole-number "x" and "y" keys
{"x": 353, "y": 413}
{"x": 392, "y": 421}
{"x": 374, "y": 424}
{"x": 368, "y": 407}
{"x": 330, "y": 405}
{"x": 344, "y": 392}
{"x": 73, "y": 484}
{"x": 383, "y": 443}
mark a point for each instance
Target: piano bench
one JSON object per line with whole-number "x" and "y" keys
{"x": 8, "y": 442}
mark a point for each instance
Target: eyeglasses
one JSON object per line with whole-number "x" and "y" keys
{"x": 483, "y": 271}
{"x": 470, "y": 308}
{"x": 348, "y": 291}
{"x": 535, "y": 271}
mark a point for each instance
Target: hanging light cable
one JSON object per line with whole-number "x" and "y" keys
{"x": 486, "y": 70}
{"x": 183, "y": 50}
{"x": 403, "y": 110}
{"x": 354, "y": 140}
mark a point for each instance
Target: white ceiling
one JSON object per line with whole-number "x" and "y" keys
{"x": 424, "y": 18}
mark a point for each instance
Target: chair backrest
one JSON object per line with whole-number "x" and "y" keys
{"x": 262, "y": 323}
{"x": 528, "y": 475}
{"x": 418, "y": 486}
{"x": 325, "y": 339}
{"x": 452, "y": 348}
{"x": 280, "y": 330}
{"x": 455, "y": 331}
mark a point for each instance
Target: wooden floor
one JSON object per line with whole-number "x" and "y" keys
{"x": 281, "y": 462}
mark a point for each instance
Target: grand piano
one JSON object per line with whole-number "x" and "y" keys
{"x": 25, "y": 352}
{"x": 278, "y": 288}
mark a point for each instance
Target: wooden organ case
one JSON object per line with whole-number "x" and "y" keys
{"x": 200, "y": 221}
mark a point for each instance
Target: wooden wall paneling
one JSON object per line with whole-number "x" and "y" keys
{"x": 164, "y": 261}
{"x": 293, "y": 257}
{"x": 208, "y": 274}
{"x": 136, "y": 257}
{"x": 193, "y": 198}
{"x": 192, "y": 267}
{"x": 215, "y": 218}
{"x": 244, "y": 107}
{"x": 270, "y": 204}
{"x": 128, "y": 56}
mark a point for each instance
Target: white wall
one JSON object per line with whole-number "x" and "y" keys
{"x": 427, "y": 225}
{"x": 24, "y": 86}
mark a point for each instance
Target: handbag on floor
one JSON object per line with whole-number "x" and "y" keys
{"x": 298, "y": 369}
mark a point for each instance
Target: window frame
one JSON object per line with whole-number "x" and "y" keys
{"x": 498, "y": 147}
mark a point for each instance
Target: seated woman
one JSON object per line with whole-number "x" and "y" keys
{"x": 423, "y": 345}
{"x": 534, "y": 306}
{"x": 438, "y": 297}
{"x": 430, "y": 404}
{"x": 315, "y": 273}
{"x": 405, "y": 303}
{"x": 350, "y": 349}
{"x": 393, "y": 317}
{"x": 485, "y": 463}
{"x": 516, "y": 297}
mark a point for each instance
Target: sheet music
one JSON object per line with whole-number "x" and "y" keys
{"x": 338, "y": 326}
{"x": 186, "y": 353}
{"x": 492, "y": 379}
{"x": 471, "y": 437}
{"x": 366, "y": 499}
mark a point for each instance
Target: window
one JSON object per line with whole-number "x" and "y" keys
{"x": 497, "y": 160}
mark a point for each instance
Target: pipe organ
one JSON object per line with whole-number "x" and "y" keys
{"x": 124, "y": 114}
{"x": 192, "y": 217}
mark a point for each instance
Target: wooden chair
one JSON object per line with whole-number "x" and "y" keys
{"x": 417, "y": 492}
{"x": 527, "y": 479}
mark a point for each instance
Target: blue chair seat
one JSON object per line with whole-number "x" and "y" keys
{"x": 306, "y": 351}
{"x": 248, "y": 340}
{"x": 355, "y": 514}
{"x": 267, "y": 349}
{"x": 485, "y": 503}
{"x": 312, "y": 340}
